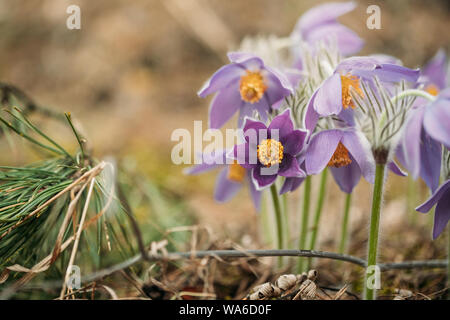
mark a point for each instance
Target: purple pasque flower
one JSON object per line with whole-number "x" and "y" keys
{"x": 440, "y": 198}
{"x": 320, "y": 24}
{"x": 290, "y": 184}
{"x": 333, "y": 97}
{"x": 245, "y": 85}
{"x": 434, "y": 74}
{"x": 385, "y": 58}
{"x": 346, "y": 176}
{"x": 418, "y": 152}
{"x": 345, "y": 152}
{"x": 346, "y": 171}
{"x": 271, "y": 151}
{"x": 433, "y": 77}
{"x": 436, "y": 119}
{"x": 427, "y": 127}
{"x": 231, "y": 177}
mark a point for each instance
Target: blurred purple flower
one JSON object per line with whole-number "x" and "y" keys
{"x": 434, "y": 74}
{"x": 245, "y": 85}
{"x": 433, "y": 77}
{"x": 420, "y": 154}
{"x": 291, "y": 184}
{"x": 271, "y": 151}
{"x": 440, "y": 198}
{"x": 230, "y": 179}
{"x": 436, "y": 119}
{"x": 427, "y": 127}
{"x": 320, "y": 24}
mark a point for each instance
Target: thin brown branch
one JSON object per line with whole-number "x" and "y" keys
{"x": 439, "y": 264}
{"x": 264, "y": 253}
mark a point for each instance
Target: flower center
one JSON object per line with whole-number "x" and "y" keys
{"x": 270, "y": 152}
{"x": 432, "y": 89}
{"x": 348, "y": 81}
{"x": 236, "y": 172}
{"x": 252, "y": 87}
{"x": 340, "y": 157}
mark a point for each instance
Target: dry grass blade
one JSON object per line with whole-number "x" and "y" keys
{"x": 340, "y": 293}
{"x": 78, "y": 235}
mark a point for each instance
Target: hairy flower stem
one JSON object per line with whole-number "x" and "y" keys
{"x": 413, "y": 93}
{"x": 344, "y": 229}
{"x": 318, "y": 213}
{"x": 369, "y": 290}
{"x": 304, "y": 226}
{"x": 278, "y": 219}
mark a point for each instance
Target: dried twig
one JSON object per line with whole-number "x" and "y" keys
{"x": 264, "y": 253}
{"x": 413, "y": 265}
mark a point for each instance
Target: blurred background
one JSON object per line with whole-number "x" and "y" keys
{"x": 129, "y": 77}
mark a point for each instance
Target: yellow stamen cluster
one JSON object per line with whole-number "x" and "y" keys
{"x": 348, "y": 81}
{"x": 252, "y": 87}
{"x": 270, "y": 152}
{"x": 340, "y": 157}
{"x": 432, "y": 89}
{"x": 236, "y": 172}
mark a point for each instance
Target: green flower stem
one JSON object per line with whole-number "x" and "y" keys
{"x": 278, "y": 219}
{"x": 286, "y": 231}
{"x": 304, "y": 226}
{"x": 344, "y": 229}
{"x": 370, "y": 293}
{"x": 318, "y": 213}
